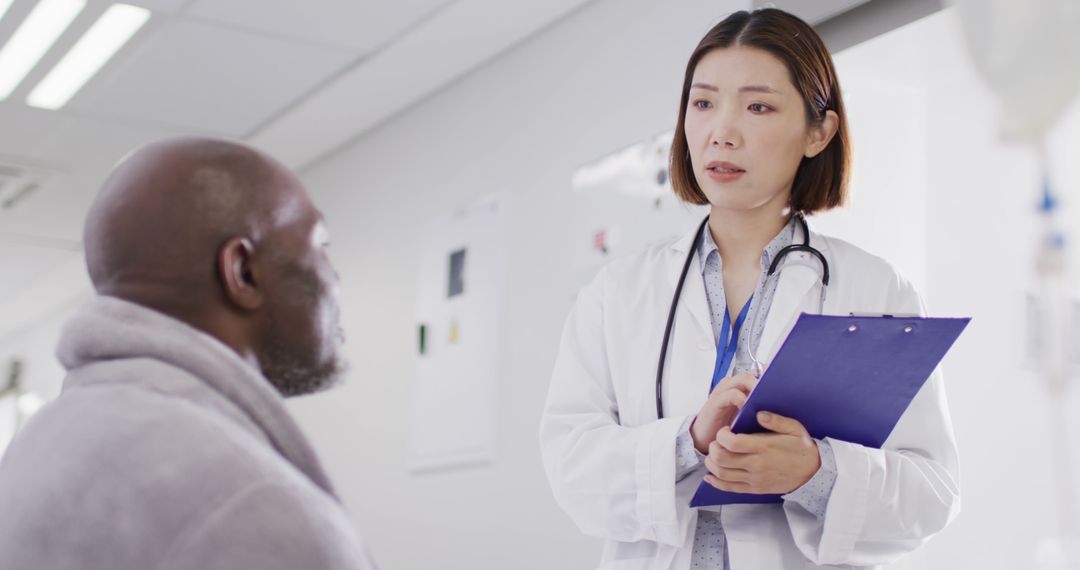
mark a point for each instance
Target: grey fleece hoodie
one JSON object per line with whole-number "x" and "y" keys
{"x": 165, "y": 451}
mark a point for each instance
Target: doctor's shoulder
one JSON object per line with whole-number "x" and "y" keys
{"x": 870, "y": 278}
{"x": 643, "y": 267}
{"x": 631, "y": 276}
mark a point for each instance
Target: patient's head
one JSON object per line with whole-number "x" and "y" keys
{"x": 226, "y": 239}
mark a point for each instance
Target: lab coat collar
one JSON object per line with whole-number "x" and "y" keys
{"x": 797, "y": 291}
{"x": 682, "y": 245}
{"x": 692, "y": 302}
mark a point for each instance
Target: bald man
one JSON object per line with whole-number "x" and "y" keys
{"x": 170, "y": 446}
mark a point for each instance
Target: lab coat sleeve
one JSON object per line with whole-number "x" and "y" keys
{"x": 887, "y": 502}
{"x": 616, "y": 482}
{"x": 688, "y": 458}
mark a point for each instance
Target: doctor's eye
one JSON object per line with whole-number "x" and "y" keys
{"x": 702, "y": 104}
{"x": 759, "y": 108}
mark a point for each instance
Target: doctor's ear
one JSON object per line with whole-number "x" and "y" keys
{"x": 238, "y": 276}
{"x": 820, "y": 134}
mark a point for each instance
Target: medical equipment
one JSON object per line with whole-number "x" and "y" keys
{"x": 1028, "y": 53}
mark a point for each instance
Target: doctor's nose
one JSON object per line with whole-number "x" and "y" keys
{"x": 725, "y": 135}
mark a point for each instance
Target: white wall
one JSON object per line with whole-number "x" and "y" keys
{"x": 41, "y": 373}
{"x": 605, "y": 77}
{"x": 982, "y": 235}
{"x": 977, "y": 238}
{"x": 935, "y": 193}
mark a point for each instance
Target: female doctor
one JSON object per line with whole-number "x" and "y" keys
{"x": 761, "y": 137}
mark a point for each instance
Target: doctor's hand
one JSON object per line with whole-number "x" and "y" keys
{"x": 760, "y": 463}
{"x": 720, "y": 409}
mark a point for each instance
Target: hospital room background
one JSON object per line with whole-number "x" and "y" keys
{"x": 526, "y": 132}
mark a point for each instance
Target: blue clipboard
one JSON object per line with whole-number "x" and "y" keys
{"x": 848, "y": 378}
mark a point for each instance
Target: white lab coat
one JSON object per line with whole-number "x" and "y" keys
{"x": 611, "y": 463}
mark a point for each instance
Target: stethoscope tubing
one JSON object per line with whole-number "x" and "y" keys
{"x": 773, "y": 268}
{"x": 671, "y": 320}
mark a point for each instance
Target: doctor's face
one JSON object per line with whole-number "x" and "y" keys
{"x": 746, "y": 129}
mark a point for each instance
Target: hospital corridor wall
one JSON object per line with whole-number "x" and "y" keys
{"x": 935, "y": 192}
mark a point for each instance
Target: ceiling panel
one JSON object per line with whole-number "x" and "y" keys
{"x": 156, "y": 6}
{"x": 813, "y": 11}
{"x": 59, "y": 284}
{"x": 360, "y": 26}
{"x": 48, "y": 212}
{"x": 19, "y": 9}
{"x": 24, "y": 263}
{"x": 222, "y": 67}
{"x": 24, "y": 129}
{"x": 206, "y": 77}
{"x": 76, "y": 156}
{"x": 14, "y": 15}
{"x": 463, "y": 36}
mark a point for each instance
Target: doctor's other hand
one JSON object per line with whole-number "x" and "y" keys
{"x": 776, "y": 463}
{"x": 720, "y": 409}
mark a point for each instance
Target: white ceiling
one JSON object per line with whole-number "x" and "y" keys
{"x": 357, "y": 27}
{"x": 244, "y": 69}
{"x": 200, "y": 75}
{"x": 298, "y": 79}
{"x": 812, "y": 11}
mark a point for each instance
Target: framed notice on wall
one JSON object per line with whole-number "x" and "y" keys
{"x": 459, "y": 334}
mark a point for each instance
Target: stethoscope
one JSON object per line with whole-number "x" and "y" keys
{"x": 773, "y": 267}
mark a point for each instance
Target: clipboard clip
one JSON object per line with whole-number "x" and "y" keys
{"x": 907, "y": 329}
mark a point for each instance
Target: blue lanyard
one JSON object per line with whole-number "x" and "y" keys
{"x": 729, "y": 342}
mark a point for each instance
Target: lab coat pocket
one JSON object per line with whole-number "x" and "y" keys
{"x": 812, "y": 566}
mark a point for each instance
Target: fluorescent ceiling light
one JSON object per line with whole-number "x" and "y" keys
{"x": 34, "y": 37}
{"x": 93, "y": 50}
{"x": 4, "y": 5}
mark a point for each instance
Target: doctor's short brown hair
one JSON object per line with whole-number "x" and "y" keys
{"x": 821, "y": 182}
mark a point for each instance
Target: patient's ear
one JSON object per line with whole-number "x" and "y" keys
{"x": 238, "y": 275}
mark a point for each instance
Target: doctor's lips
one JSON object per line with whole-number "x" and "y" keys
{"x": 724, "y": 171}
